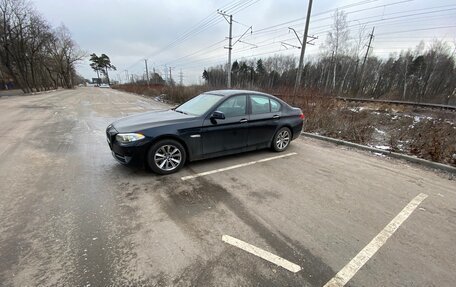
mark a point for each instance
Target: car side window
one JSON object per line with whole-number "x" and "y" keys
{"x": 275, "y": 105}
{"x": 260, "y": 104}
{"x": 234, "y": 106}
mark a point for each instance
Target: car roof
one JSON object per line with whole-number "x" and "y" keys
{"x": 227, "y": 93}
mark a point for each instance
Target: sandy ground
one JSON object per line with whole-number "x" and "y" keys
{"x": 71, "y": 215}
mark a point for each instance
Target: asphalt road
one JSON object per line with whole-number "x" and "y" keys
{"x": 71, "y": 215}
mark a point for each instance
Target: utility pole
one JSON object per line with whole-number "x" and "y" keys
{"x": 371, "y": 35}
{"x": 126, "y": 76}
{"x": 165, "y": 73}
{"x": 303, "y": 50}
{"x": 147, "y": 72}
{"x": 230, "y": 47}
{"x": 170, "y": 76}
{"x": 230, "y": 38}
{"x": 154, "y": 78}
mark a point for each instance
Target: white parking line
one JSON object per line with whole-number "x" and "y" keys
{"x": 262, "y": 253}
{"x": 235, "y": 166}
{"x": 367, "y": 252}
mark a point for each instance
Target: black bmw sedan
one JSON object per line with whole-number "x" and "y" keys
{"x": 212, "y": 124}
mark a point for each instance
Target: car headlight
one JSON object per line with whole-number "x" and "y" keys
{"x": 128, "y": 138}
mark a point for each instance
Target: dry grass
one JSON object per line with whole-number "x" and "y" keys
{"x": 425, "y": 133}
{"x": 169, "y": 94}
{"x": 328, "y": 117}
{"x": 432, "y": 139}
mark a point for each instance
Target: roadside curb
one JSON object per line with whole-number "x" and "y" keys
{"x": 423, "y": 162}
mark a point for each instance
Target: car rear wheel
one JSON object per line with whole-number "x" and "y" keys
{"x": 281, "y": 139}
{"x": 166, "y": 156}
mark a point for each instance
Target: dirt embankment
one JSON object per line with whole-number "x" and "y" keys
{"x": 425, "y": 133}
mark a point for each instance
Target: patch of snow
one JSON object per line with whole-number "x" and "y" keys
{"x": 357, "y": 109}
{"x": 379, "y": 154}
{"x": 384, "y": 147}
{"x": 160, "y": 98}
{"x": 379, "y": 131}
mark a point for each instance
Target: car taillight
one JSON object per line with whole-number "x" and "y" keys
{"x": 301, "y": 116}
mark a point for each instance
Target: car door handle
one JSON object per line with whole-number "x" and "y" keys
{"x": 276, "y": 117}
{"x": 243, "y": 121}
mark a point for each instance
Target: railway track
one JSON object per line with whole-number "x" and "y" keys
{"x": 403, "y": 103}
{"x": 391, "y": 102}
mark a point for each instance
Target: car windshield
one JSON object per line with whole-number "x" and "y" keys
{"x": 198, "y": 105}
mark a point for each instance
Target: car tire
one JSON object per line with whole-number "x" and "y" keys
{"x": 281, "y": 140}
{"x": 166, "y": 157}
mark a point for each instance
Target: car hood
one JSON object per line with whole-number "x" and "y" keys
{"x": 148, "y": 120}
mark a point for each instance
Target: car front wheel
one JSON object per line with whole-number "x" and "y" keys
{"x": 281, "y": 139}
{"x": 166, "y": 156}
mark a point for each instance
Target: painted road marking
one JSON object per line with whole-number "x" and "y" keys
{"x": 364, "y": 255}
{"x": 268, "y": 256}
{"x": 236, "y": 166}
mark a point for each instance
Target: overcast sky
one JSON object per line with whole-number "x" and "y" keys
{"x": 130, "y": 31}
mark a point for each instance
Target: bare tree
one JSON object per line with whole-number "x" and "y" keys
{"x": 337, "y": 40}
{"x": 65, "y": 53}
{"x": 34, "y": 55}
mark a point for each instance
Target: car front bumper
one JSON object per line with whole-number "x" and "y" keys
{"x": 132, "y": 153}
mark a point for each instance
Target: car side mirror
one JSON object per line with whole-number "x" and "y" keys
{"x": 218, "y": 115}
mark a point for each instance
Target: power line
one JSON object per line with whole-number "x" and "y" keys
{"x": 235, "y": 7}
{"x": 196, "y": 52}
{"x": 210, "y": 21}
{"x": 278, "y": 42}
{"x": 375, "y": 19}
{"x": 328, "y": 11}
{"x": 258, "y": 32}
{"x": 414, "y": 30}
{"x": 370, "y": 17}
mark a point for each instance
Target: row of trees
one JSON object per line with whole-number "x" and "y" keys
{"x": 33, "y": 54}
{"x": 425, "y": 74}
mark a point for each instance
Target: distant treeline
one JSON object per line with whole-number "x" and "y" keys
{"x": 425, "y": 74}
{"x": 418, "y": 76}
{"x": 33, "y": 54}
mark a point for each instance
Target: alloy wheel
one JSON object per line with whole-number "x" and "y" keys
{"x": 283, "y": 139}
{"x": 168, "y": 157}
